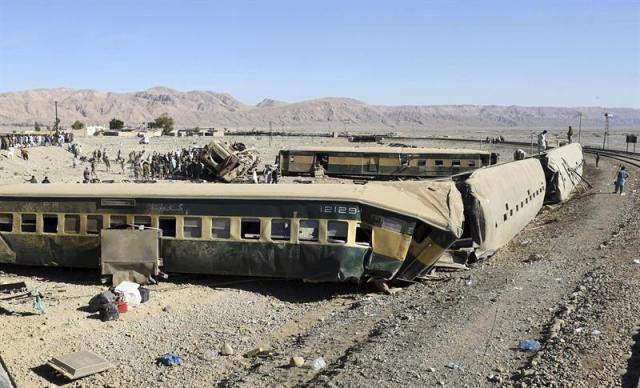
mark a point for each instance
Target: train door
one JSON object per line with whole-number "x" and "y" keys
{"x": 322, "y": 160}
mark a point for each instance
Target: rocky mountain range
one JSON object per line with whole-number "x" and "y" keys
{"x": 211, "y": 109}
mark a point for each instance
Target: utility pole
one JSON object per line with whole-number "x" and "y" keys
{"x": 580, "y": 129}
{"x": 607, "y": 116}
{"x": 55, "y": 126}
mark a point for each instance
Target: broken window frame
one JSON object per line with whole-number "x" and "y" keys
{"x": 192, "y": 228}
{"x": 248, "y": 222}
{"x": 46, "y": 226}
{"x": 142, "y": 220}
{"x": 332, "y": 239}
{"x": 118, "y": 224}
{"x": 161, "y": 226}
{"x": 221, "y": 233}
{"x": 26, "y": 227}
{"x": 6, "y": 226}
{"x": 314, "y": 225}
{"x": 286, "y": 226}
{"x": 67, "y": 223}
{"x": 99, "y": 224}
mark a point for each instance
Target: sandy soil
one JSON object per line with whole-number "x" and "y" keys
{"x": 470, "y": 320}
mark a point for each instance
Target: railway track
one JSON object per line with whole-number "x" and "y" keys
{"x": 621, "y": 156}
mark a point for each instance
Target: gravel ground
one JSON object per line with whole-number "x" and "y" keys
{"x": 461, "y": 329}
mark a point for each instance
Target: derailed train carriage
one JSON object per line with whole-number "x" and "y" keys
{"x": 563, "y": 171}
{"x": 499, "y": 201}
{"x": 312, "y": 232}
{"x": 382, "y": 162}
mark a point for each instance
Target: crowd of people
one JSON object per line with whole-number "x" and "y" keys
{"x": 29, "y": 140}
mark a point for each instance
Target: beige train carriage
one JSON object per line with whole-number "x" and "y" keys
{"x": 500, "y": 201}
{"x": 563, "y": 169}
{"x": 382, "y": 162}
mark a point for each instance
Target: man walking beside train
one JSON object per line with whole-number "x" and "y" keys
{"x": 621, "y": 179}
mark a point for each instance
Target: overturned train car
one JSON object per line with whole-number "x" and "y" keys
{"x": 312, "y": 232}
{"x": 563, "y": 171}
{"x": 499, "y": 201}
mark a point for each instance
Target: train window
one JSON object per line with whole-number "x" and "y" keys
{"x": 505, "y": 216}
{"x": 404, "y": 160}
{"x": 280, "y": 230}
{"x": 72, "y": 223}
{"x": 28, "y": 223}
{"x": 309, "y": 230}
{"x": 421, "y": 232}
{"x": 94, "y": 224}
{"x": 50, "y": 223}
{"x": 517, "y": 207}
{"x": 528, "y": 192}
{"x": 221, "y": 228}
{"x": 422, "y": 164}
{"x": 506, "y": 206}
{"x": 439, "y": 163}
{"x": 526, "y": 200}
{"x": 521, "y": 203}
{"x": 363, "y": 235}
{"x": 250, "y": 228}
{"x": 118, "y": 222}
{"x": 192, "y": 227}
{"x": 472, "y": 163}
{"x": 337, "y": 231}
{"x": 144, "y": 221}
{"x": 455, "y": 163}
{"x": 6, "y": 222}
{"x": 511, "y": 213}
{"x": 168, "y": 226}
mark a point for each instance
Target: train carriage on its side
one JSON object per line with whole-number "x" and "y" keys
{"x": 382, "y": 162}
{"x": 317, "y": 233}
{"x": 500, "y": 201}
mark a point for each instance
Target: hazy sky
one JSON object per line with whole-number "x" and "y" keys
{"x": 560, "y": 52}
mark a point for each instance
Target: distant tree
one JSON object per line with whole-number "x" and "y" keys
{"x": 116, "y": 124}
{"x": 165, "y": 122}
{"x": 37, "y": 126}
{"x": 77, "y": 125}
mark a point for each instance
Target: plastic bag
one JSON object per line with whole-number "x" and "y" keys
{"x": 131, "y": 293}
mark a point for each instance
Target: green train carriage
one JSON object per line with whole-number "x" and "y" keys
{"x": 382, "y": 162}
{"x": 311, "y": 232}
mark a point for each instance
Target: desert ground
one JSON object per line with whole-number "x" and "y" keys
{"x": 579, "y": 298}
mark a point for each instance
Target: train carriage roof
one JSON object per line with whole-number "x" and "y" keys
{"x": 436, "y": 203}
{"x": 386, "y": 150}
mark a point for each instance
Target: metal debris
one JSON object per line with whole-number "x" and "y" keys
{"x": 79, "y": 364}
{"x": 229, "y": 162}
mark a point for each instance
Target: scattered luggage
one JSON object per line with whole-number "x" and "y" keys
{"x": 109, "y": 312}
{"x": 115, "y": 301}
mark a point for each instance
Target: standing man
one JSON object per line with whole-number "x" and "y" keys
{"x": 87, "y": 175}
{"x": 569, "y": 134}
{"x": 597, "y": 158}
{"x": 621, "y": 179}
{"x": 542, "y": 141}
